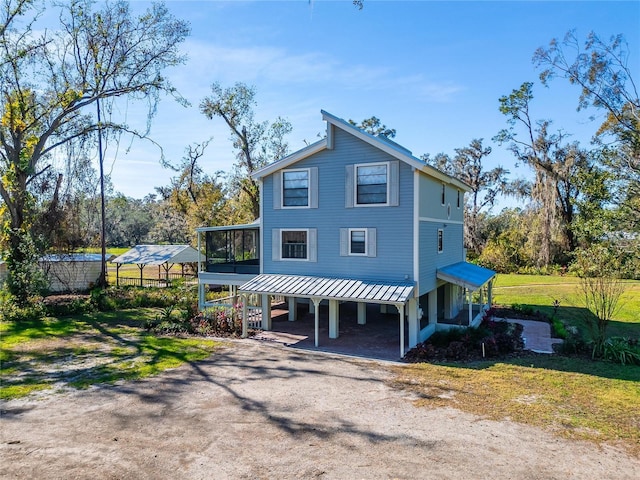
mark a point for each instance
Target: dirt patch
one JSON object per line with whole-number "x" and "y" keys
{"x": 259, "y": 410}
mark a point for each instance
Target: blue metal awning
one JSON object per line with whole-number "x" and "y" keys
{"x": 466, "y": 275}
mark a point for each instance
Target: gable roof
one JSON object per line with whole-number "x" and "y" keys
{"x": 382, "y": 143}
{"x": 158, "y": 254}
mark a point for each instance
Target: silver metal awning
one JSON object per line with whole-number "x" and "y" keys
{"x": 466, "y": 275}
{"x": 342, "y": 289}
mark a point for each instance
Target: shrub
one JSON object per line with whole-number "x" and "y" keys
{"x": 621, "y": 350}
{"x": 490, "y": 339}
{"x": 63, "y": 305}
{"x": 558, "y": 327}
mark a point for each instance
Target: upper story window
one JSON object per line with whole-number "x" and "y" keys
{"x": 294, "y": 244}
{"x": 372, "y": 184}
{"x": 458, "y": 201}
{"x": 442, "y": 195}
{"x": 440, "y": 240}
{"x": 295, "y": 188}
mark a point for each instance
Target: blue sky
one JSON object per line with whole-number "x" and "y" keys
{"x": 432, "y": 70}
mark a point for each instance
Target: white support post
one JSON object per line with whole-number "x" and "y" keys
{"x": 400, "y": 308}
{"x": 470, "y": 307}
{"x": 293, "y": 305}
{"x": 266, "y": 312}
{"x": 481, "y": 297}
{"x": 362, "y": 313}
{"x": 316, "y": 311}
{"x": 334, "y": 319}
{"x": 414, "y": 323}
{"x": 433, "y": 306}
{"x": 245, "y": 319}
{"x": 489, "y": 293}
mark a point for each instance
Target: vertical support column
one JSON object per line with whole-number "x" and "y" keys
{"x": 414, "y": 322}
{"x": 266, "y": 312}
{"x": 234, "y": 295}
{"x": 316, "y": 311}
{"x": 401, "y": 312}
{"x": 334, "y": 319}
{"x": 433, "y": 306}
{"x": 293, "y": 308}
{"x": 245, "y": 318}
{"x": 470, "y": 307}
{"x": 201, "y": 297}
{"x": 481, "y": 297}
{"x": 490, "y": 292}
{"x": 362, "y": 313}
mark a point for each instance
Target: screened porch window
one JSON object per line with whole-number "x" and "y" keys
{"x": 233, "y": 251}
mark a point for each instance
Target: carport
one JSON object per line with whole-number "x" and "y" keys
{"x": 333, "y": 290}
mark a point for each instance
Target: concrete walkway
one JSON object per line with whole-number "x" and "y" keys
{"x": 536, "y": 335}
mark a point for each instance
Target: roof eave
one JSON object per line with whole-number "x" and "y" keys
{"x": 291, "y": 159}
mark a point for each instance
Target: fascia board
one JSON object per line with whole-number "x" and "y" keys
{"x": 387, "y": 148}
{"x": 291, "y": 159}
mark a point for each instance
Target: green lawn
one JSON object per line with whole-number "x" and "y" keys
{"x": 541, "y": 291}
{"x": 85, "y": 350}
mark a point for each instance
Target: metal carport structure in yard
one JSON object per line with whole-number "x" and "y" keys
{"x": 334, "y": 290}
{"x": 161, "y": 255}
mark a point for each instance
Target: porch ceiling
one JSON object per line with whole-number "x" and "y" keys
{"x": 466, "y": 275}
{"x": 330, "y": 288}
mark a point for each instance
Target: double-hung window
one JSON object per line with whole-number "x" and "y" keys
{"x": 358, "y": 242}
{"x": 294, "y": 244}
{"x": 372, "y": 181}
{"x": 295, "y": 188}
{"x": 372, "y": 184}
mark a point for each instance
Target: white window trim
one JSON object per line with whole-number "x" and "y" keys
{"x": 281, "y": 258}
{"x": 293, "y": 207}
{"x": 355, "y": 184}
{"x": 366, "y": 242}
{"x": 440, "y": 233}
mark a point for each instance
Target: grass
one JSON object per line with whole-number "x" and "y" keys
{"x": 84, "y": 350}
{"x": 570, "y": 397}
{"x": 540, "y": 291}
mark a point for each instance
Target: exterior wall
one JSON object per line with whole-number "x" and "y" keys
{"x": 71, "y": 276}
{"x": 431, "y": 200}
{"x": 430, "y": 260}
{"x": 393, "y": 224}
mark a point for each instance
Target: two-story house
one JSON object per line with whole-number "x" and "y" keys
{"x": 353, "y": 218}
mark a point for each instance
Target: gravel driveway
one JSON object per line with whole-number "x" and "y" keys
{"x": 257, "y": 410}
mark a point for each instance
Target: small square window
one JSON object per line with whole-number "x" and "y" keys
{"x": 440, "y": 240}
{"x": 295, "y": 188}
{"x": 294, "y": 244}
{"x": 357, "y": 242}
{"x": 371, "y": 184}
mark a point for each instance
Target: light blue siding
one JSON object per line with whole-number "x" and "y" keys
{"x": 431, "y": 200}
{"x": 430, "y": 260}
{"x": 393, "y": 224}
